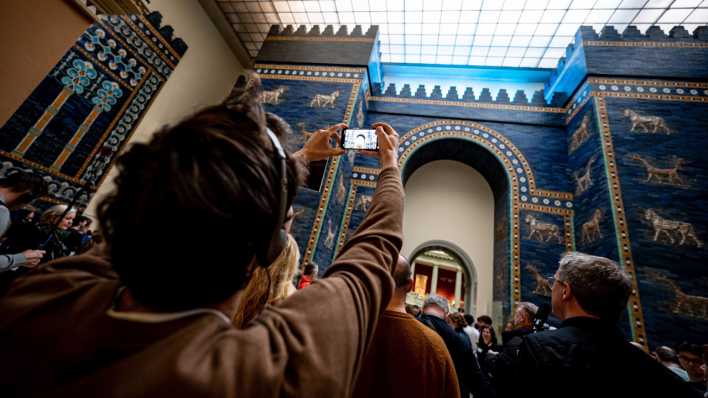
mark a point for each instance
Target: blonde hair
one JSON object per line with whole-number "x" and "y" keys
{"x": 52, "y": 214}
{"x": 269, "y": 285}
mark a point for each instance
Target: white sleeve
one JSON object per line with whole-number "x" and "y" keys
{"x": 4, "y": 220}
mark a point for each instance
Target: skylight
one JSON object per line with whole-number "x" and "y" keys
{"x": 527, "y": 33}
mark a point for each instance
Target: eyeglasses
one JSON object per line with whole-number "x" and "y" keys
{"x": 552, "y": 280}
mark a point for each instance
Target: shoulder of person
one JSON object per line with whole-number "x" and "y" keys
{"x": 514, "y": 343}
{"x": 56, "y": 281}
{"x": 470, "y": 329}
{"x": 436, "y": 343}
{"x": 547, "y": 346}
{"x": 656, "y": 377}
{"x": 85, "y": 266}
{"x": 428, "y": 333}
{"x": 560, "y": 336}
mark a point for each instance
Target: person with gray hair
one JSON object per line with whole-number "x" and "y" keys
{"x": 588, "y": 355}
{"x": 668, "y": 357}
{"x": 469, "y": 374}
{"x": 436, "y": 304}
{"x": 597, "y": 287}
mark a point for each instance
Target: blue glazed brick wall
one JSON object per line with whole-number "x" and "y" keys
{"x": 107, "y": 80}
{"x": 540, "y": 251}
{"x": 544, "y": 147}
{"x": 315, "y": 47}
{"x": 464, "y": 112}
{"x": 682, "y": 200}
{"x": 647, "y": 62}
{"x": 329, "y": 234}
{"x": 305, "y": 207}
{"x": 666, "y": 272}
{"x": 602, "y": 239}
{"x": 294, "y": 106}
{"x": 295, "y": 100}
{"x": 597, "y": 196}
{"x": 501, "y": 252}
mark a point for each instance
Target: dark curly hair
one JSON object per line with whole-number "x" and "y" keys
{"x": 191, "y": 206}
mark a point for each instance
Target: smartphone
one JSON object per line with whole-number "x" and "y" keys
{"x": 359, "y": 139}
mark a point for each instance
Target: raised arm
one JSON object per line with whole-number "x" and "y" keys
{"x": 315, "y": 341}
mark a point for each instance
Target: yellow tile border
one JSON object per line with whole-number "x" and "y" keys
{"x": 329, "y": 182}
{"x": 335, "y": 39}
{"x": 643, "y": 43}
{"x": 309, "y": 68}
{"x": 624, "y": 247}
{"x": 467, "y": 104}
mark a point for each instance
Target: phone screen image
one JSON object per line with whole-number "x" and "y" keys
{"x": 360, "y": 139}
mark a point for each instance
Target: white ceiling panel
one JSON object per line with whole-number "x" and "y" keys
{"x": 528, "y": 33}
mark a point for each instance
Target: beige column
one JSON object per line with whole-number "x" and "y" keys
{"x": 434, "y": 281}
{"x": 458, "y": 288}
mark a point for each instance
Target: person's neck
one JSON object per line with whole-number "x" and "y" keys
{"x": 521, "y": 326}
{"x": 434, "y": 311}
{"x": 574, "y": 310}
{"x": 397, "y": 302}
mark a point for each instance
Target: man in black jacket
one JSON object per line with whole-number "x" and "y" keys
{"x": 469, "y": 375}
{"x": 588, "y": 356}
{"x": 521, "y": 325}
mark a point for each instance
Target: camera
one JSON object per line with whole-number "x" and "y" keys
{"x": 360, "y": 139}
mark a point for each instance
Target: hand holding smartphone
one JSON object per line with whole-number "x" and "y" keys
{"x": 359, "y": 139}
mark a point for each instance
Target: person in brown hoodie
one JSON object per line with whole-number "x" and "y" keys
{"x": 184, "y": 228}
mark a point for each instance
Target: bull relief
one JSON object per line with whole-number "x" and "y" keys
{"x": 325, "y": 100}
{"x": 360, "y": 115}
{"x": 671, "y": 230}
{"x": 329, "y": 240}
{"x": 580, "y": 135}
{"x": 341, "y": 189}
{"x": 543, "y": 286}
{"x": 647, "y": 124}
{"x": 590, "y": 231}
{"x": 583, "y": 179}
{"x": 273, "y": 97}
{"x": 684, "y": 304}
{"x": 658, "y": 175}
{"x": 542, "y": 231}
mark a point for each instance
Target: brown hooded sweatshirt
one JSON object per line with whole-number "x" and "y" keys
{"x": 61, "y": 337}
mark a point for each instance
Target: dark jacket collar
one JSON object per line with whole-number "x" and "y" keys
{"x": 507, "y": 336}
{"x": 581, "y": 321}
{"x": 584, "y": 322}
